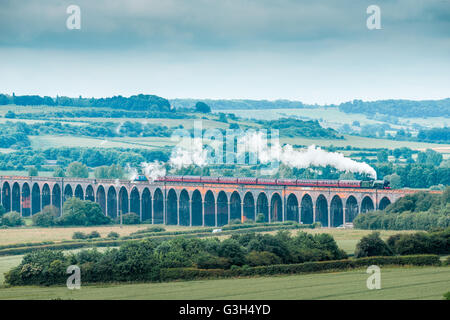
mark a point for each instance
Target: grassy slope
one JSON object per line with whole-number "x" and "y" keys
{"x": 396, "y": 283}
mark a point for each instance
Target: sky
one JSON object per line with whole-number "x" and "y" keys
{"x": 315, "y": 51}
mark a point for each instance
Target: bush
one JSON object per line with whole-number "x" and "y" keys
{"x": 447, "y": 295}
{"x": 447, "y": 261}
{"x": 437, "y": 242}
{"x": 262, "y": 258}
{"x": 47, "y": 217}
{"x": 78, "y": 212}
{"x": 149, "y": 230}
{"x": 235, "y": 221}
{"x": 79, "y": 235}
{"x": 372, "y": 245}
{"x": 209, "y": 261}
{"x": 41, "y": 267}
{"x": 260, "y": 218}
{"x": 12, "y": 219}
{"x": 113, "y": 235}
{"x": 93, "y": 235}
{"x": 419, "y": 211}
{"x": 130, "y": 218}
{"x": 232, "y": 250}
{"x": 307, "y": 267}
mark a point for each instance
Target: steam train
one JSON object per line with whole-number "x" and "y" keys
{"x": 366, "y": 184}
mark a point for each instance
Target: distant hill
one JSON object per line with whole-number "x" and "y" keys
{"x": 140, "y": 102}
{"x": 238, "y": 104}
{"x": 398, "y": 108}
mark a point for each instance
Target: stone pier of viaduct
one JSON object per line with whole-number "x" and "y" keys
{"x": 196, "y": 204}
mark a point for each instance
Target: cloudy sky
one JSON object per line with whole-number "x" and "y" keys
{"x": 316, "y": 51}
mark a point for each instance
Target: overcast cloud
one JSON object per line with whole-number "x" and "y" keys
{"x": 314, "y": 51}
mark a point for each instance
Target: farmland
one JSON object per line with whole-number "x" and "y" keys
{"x": 396, "y": 283}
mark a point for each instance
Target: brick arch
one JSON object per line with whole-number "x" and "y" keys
{"x": 249, "y": 206}
{"x": 158, "y": 216}
{"x": 384, "y": 202}
{"x": 172, "y": 207}
{"x": 209, "y": 215}
{"x": 367, "y": 204}
{"x": 322, "y": 210}
{"x": 276, "y": 207}
{"x": 262, "y": 205}
{"x": 307, "y": 209}
{"x": 292, "y": 210}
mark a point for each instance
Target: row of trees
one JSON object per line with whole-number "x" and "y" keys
{"x": 15, "y": 132}
{"x": 399, "y": 108}
{"x": 136, "y": 102}
{"x": 436, "y": 242}
{"x": 91, "y": 157}
{"x": 143, "y": 260}
{"x": 420, "y": 211}
{"x": 289, "y": 127}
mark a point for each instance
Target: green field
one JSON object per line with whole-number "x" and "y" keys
{"x": 332, "y": 117}
{"x": 396, "y": 283}
{"x": 363, "y": 142}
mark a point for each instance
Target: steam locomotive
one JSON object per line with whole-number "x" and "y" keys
{"x": 367, "y": 184}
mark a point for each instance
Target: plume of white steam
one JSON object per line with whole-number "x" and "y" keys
{"x": 190, "y": 154}
{"x": 311, "y": 156}
{"x": 119, "y": 127}
{"x": 153, "y": 170}
{"x": 132, "y": 172}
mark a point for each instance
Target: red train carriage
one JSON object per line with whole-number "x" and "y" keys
{"x": 228, "y": 180}
{"x": 349, "y": 183}
{"x": 173, "y": 179}
{"x": 306, "y": 183}
{"x": 286, "y": 182}
{"x": 191, "y": 179}
{"x": 328, "y": 183}
{"x": 271, "y": 182}
{"x": 209, "y": 179}
{"x": 247, "y": 180}
{"x": 377, "y": 184}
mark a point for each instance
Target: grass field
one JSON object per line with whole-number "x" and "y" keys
{"x": 332, "y": 117}
{"x": 363, "y": 142}
{"x": 396, "y": 283}
{"x": 33, "y": 234}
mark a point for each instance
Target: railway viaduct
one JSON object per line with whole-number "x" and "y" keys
{"x": 197, "y": 204}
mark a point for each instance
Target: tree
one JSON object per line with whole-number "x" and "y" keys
{"x": 232, "y": 250}
{"x": 59, "y": 173}
{"x": 12, "y": 219}
{"x": 81, "y": 212}
{"x": 395, "y": 181}
{"x": 47, "y": 217}
{"x": 434, "y": 158}
{"x": 77, "y": 170}
{"x": 382, "y": 156}
{"x": 33, "y": 172}
{"x": 372, "y": 245}
{"x": 112, "y": 172}
{"x": 10, "y": 115}
{"x": 202, "y": 107}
